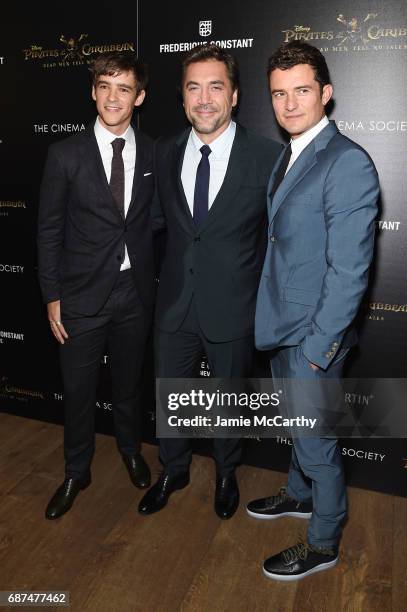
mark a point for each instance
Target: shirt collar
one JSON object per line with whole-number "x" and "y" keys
{"x": 220, "y": 144}
{"x": 299, "y": 144}
{"x": 104, "y": 137}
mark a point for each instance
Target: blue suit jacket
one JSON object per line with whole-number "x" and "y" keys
{"x": 321, "y": 237}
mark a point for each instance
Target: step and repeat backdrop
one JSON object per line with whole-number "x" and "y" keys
{"x": 44, "y": 70}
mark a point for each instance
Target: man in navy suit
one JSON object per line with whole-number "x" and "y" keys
{"x": 211, "y": 184}
{"x": 96, "y": 268}
{"x": 322, "y": 204}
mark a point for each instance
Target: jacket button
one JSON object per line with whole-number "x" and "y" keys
{"x": 191, "y": 270}
{"x": 197, "y": 239}
{"x": 272, "y": 238}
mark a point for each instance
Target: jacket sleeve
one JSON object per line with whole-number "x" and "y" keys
{"x": 350, "y": 206}
{"x": 51, "y": 223}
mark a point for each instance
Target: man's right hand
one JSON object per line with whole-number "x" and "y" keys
{"x": 54, "y": 318}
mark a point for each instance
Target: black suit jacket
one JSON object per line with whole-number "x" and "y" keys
{"x": 81, "y": 233}
{"x": 221, "y": 263}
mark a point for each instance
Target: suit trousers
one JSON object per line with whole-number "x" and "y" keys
{"x": 177, "y": 356}
{"x": 316, "y": 470}
{"x": 122, "y": 327}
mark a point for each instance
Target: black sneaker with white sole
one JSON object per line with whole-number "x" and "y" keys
{"x": 279, "y": 505}
{"x": 299, "y": 561}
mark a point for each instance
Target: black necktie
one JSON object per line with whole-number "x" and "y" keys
{"x": 117, "y": 174}
{"x": 280, "y": 173}
{"x": 202, "y": 187}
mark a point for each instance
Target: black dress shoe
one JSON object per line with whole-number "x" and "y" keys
{"x": 157, "y": 497}
{"x": 138, "y": 470}
{"x": 299, "y": 561}
{"x": 226, "y": 496}
{"x": 64, "y": 496}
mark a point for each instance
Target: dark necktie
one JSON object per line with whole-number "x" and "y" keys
{"x": 202, "y": 187}
{"x": 280, "y": 173}
{"x": 117, "y": 174}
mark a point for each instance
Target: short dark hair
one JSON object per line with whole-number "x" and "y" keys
{"x": 297, "y": 52}
{"x": 117, "y": 62}
{"x": 204, "y": 53}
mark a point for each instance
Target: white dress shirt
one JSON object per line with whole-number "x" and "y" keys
{"x": 104, "y": 139}
{"x": 218, "y": 163}
{"x": 299, "y": 144}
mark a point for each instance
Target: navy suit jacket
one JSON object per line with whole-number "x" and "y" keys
{"x": 219, "y": 263}
{"x": 321, "y": 238}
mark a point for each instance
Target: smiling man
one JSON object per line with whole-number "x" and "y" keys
{"x": 322, "y": 204}
{"x": 96, "y": 268}
{"x": 212, "y": 188}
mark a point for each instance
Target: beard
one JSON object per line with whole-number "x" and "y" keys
{"x": 209, "y": 125}
{"x": 206, "y": 127}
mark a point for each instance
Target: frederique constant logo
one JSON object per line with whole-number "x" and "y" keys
{"x": 353, "y": 33}
{"x": 73, "y": 51}
{"x": 205, "y": 28}
{"x": 388, "y": 225}
{"x": 10, "y": 335}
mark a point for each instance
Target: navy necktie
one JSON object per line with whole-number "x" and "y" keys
{"x": 280, "y": 174}
{"x": 202, "y": 187}
{"x": 117, "y": 174}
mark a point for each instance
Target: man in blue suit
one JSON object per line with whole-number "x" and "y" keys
{"x": 322, "y": 204}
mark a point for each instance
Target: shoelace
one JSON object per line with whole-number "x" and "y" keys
{"x": 275, "y": 500}
{"x": 298, "y": 551}
{"x": 301, "y": 551}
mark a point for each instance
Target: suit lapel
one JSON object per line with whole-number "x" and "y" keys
{"x": 139, "y": 168}
{"x": 300, "y": 168}
{"x": 273, "y": 176}
{"x": 235, "y": 173}
{"x": 182, "y": 207}
{"x": 93, "y": 162}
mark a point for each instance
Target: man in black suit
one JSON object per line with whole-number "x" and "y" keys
{"x": 212, "y": 188}
{"x": 96, "y": 268}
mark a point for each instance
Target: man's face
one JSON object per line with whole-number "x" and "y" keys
{"x": 297, "y": 100}
{"x": 208, "y": 98}
{"x": 115, "y": 97}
